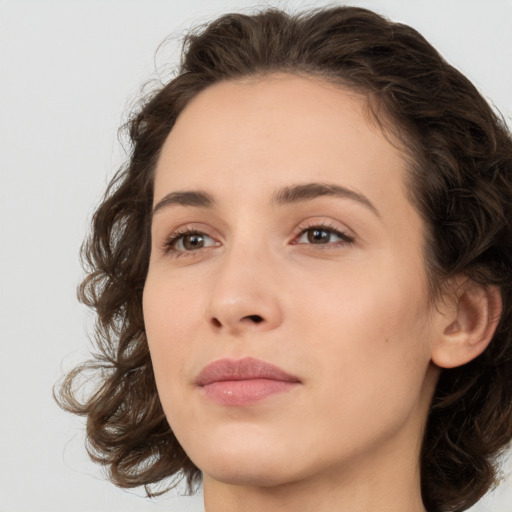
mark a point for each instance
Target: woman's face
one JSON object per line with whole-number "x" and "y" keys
{"x": 282, "y": 233}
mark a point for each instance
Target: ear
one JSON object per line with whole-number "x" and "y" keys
{"x": 468, "y": 319}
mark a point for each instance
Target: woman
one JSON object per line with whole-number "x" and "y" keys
{"x": 303, "y": 275}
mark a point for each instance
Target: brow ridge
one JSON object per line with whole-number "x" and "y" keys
{"x": 307, "y": 191}
{"x": 287, "y": 195}
{"x": 185, "y": 198}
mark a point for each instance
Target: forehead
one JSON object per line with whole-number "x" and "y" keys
{"x": 275, "y": 129}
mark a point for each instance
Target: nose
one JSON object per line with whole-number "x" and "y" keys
{"x": 245, "y": 295}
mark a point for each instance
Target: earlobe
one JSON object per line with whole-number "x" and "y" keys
{"x": 469, "y": 323}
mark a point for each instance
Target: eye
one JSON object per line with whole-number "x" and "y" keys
{"x": 323, "y": 235}
{"x": 189, "y": 241}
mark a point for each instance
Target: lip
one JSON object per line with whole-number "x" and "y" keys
{"x": 242, "y": 382}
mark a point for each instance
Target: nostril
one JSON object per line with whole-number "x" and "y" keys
{"x": 254, "y": 318}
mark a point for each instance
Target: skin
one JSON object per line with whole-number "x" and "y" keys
{"x": 351, "y": 319}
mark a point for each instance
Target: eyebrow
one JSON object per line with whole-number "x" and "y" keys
{"x": 308, "y": 191}
{"x": 185, "y": 198}
{"x": 287, "y": 195}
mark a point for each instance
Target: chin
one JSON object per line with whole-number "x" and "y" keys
{"x": 251, "y": 473}
{"x": 244, "y": 461}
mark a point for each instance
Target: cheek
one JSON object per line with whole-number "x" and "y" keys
{"x": 369, "y": 330}
{"x": 171, "y": 316}
{"x": 169, "y": 310}
{"x": 368, "y": 355}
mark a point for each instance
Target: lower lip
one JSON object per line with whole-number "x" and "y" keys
{"x": 240, "y": 393}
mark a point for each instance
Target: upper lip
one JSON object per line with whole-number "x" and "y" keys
{"x": 242, "y": 369}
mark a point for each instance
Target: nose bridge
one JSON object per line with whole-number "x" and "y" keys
{"x": 244, "y": 295}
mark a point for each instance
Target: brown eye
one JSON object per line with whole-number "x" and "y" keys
{"x": 318, "y": 236}
{"x": 192, "y": 241}
{"x": 187, "y": 242}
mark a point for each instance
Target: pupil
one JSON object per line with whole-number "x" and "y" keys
{"x": 318, "y": 236}
{"x": 193, "y": 242}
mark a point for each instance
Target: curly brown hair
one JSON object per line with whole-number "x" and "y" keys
{"x": 460, "y": 182}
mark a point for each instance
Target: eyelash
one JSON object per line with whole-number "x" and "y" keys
{"x": 345, "y": 239}
{"x": 169, "y": 244}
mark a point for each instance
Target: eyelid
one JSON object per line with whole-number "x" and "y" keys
{"x": 180, "y": 238}
{"x": 168, "y": 242}
{"x": 326, "y": 224}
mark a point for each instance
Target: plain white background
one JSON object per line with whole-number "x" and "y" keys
{"x": 70, "y": 70}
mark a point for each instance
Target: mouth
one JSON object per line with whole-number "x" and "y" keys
{"x": 242, "y": 382}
